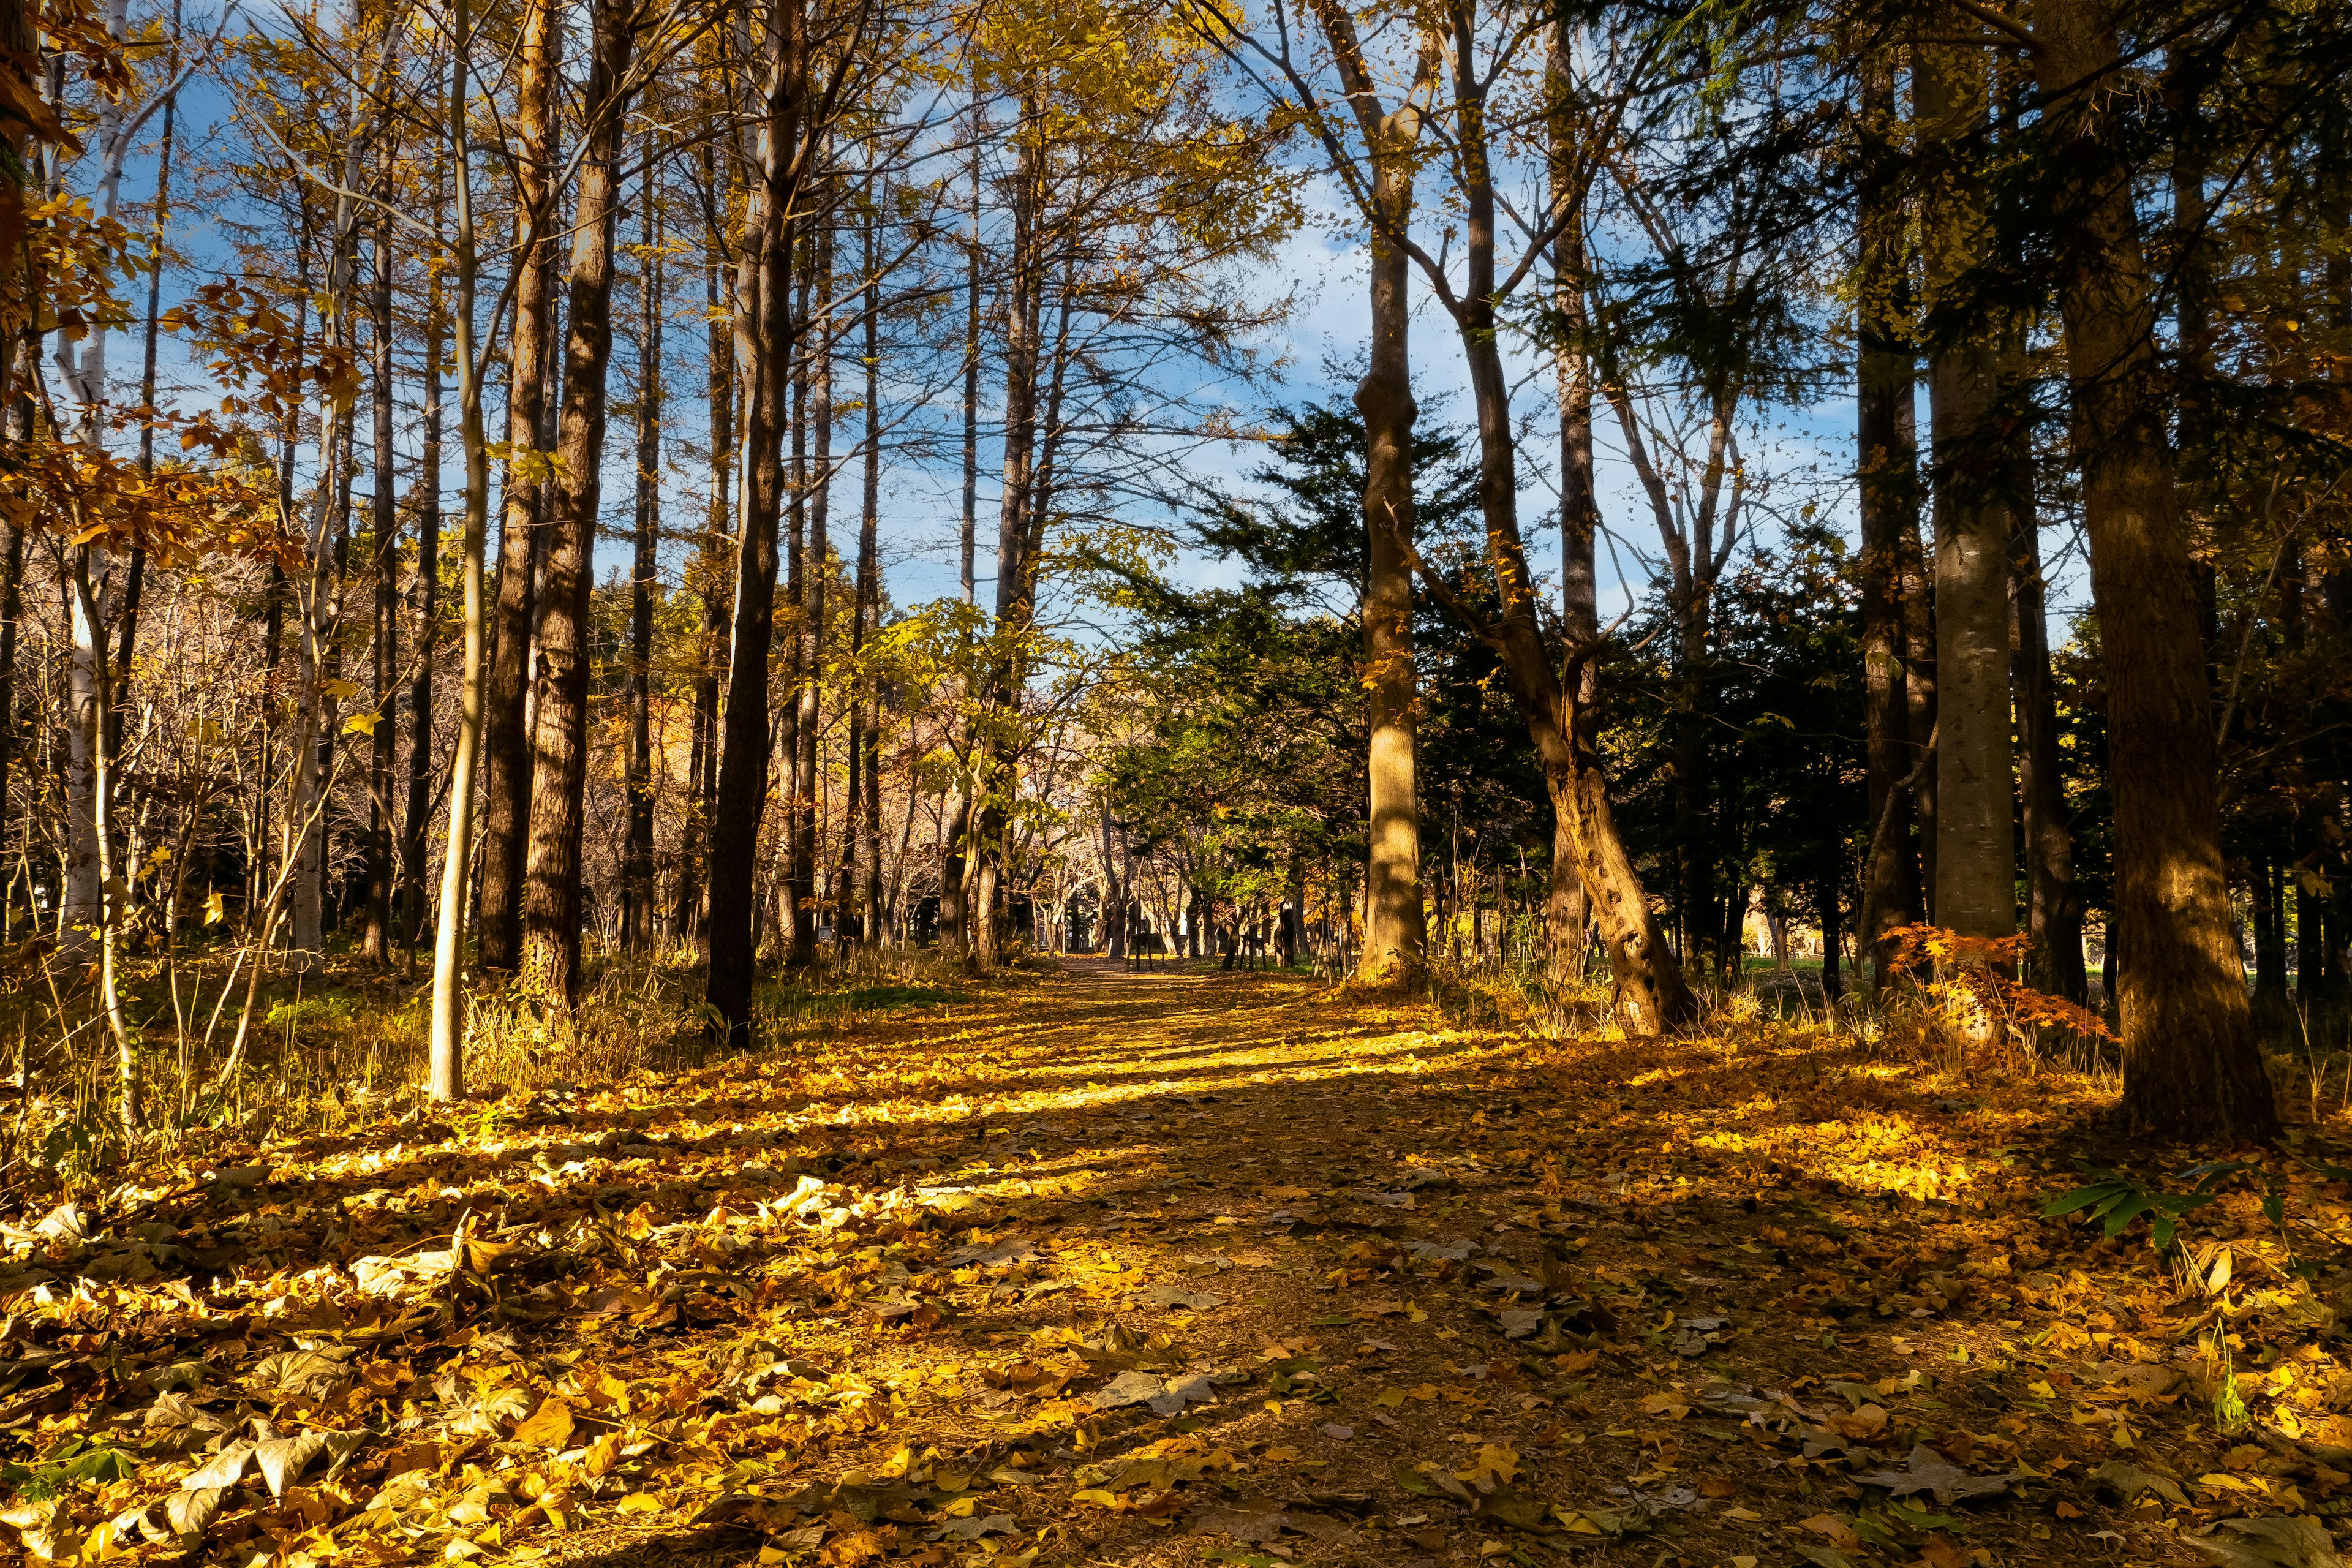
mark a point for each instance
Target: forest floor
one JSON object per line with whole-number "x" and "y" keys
{"x": 1086, "y": 1267}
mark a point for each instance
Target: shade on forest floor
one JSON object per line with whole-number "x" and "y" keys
{"x": 1092, "y": 1268}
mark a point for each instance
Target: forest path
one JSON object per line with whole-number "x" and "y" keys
{"x": 1084, "y": 1266}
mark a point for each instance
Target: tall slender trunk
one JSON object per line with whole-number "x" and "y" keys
{"x": 2191, "y": 1067}
{"x": 447, "y": 1059}
{"x": 1976, "y": 846}
{"x": 818, "y": 491}
{"x": 2054, "y": 907}
{"x": 967, "y": 541}
{"x": 867, "y": 809}
{"x": 135, "y": 581}
{"x": 1887, "y": 466}
{"x": 552, "y": 912}
{"x": 1396, "y": 933}
{"x": 953, "y": 933}
{"x": 507, "y": 765}
{"x": 1018, "y": 514}
{"x": 1651, "y": 994}
{"x": 1568, "y": 913}
{"x": 419, "y": 813}
{"x": 743, "y": 762}
{"x": 713, "y": 583}
{"x": 384, "y": 671}
{"x": 638, "y": 859}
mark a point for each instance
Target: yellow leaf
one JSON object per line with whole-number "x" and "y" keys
{"x": 1097, "y": 1496}
{"x": 362, "y": 723}
{"x": 340, "y": 691}
{"x": 548, "y": 1426}
{"x": 640, "y": 1502}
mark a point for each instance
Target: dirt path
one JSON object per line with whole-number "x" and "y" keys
{"x": 1162, "y": 1268}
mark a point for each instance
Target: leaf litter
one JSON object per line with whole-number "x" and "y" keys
{"x": 932, "y": 1292}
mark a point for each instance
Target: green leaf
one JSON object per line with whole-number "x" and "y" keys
{"x": 2082, "y": 1197}
{"x": 2138, "y": 1204}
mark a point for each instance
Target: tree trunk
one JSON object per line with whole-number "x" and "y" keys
{"x": 743, "y": 760}
{"x": 447, "y": 1060}
{"x": 1396, "y": 935}
{"x": 817, "y": 496}
{"x": 2270, "y": 1006}
{"x": 507, "y": 765}
{"x": 1975, "y": 850}
{"x": 1568, "y": 913}
{"x": 2192, "y": 1069}
{"x": 2053, "y": 908}
{"x": 868, "y": 810}
{"x": 384, "y": 545}
{"x": 1651, "y": 994}
{"x": 552, "y": 911}
{"x": 1889, "y": 505}
{"x": 714, "y": 583}
{"x": 637, "y": 855}
{"x": 419, "y": 815}
{"x": 1919, "y": 702}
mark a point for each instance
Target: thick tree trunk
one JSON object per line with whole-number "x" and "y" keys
{"x": 1888, "y": 497}
{"x": 1976, "y": 846}
{"x": 1396, "y": 933}
{"x": 507, "y": 764}
{"x": 2191, "y": 1067}
{"x": 637, "y": 854}
{"x": 552, "y": 910}
{"x": 385, "y": 546}
{"x": 743, "y": 759}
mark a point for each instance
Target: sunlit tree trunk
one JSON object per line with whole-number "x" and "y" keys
{"x": 2191, "y": 1067}
{"x": 508, "y": 767}
{"x": 1651, "y": 994}
{"x": 447, "y": 1060}
{"x": 1396, "y": 930}
{"x": 552, "y": 908}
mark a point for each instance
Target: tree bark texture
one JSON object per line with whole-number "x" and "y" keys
{"x": 2192, "y": 1069}
{"x": 1396, "y": 935}
{"x": 552, "y": 910}
{"x": 1976, "y": 846}
{"x": 743, "y": 757}
{"x": 507, "y": 764}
